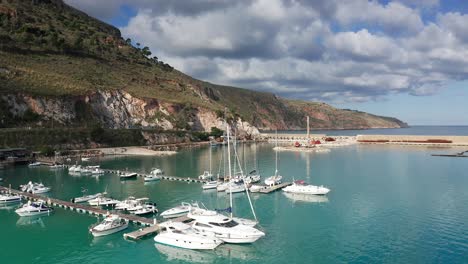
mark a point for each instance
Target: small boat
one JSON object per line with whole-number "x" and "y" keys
{"x": 222, "y": 186}
{"x": 34, "y": 164}
{"x": 34, "y": 208}
{"x": 97, "y": 171}
{"x": 85, "y": 198}
{"x": 303, "y": 188}
{"x": 111, "y": 224}
{"x": 85, "y": 159}
{"x": 184, "y": 236}
{"x": 103, "y": 201}
{"x": 9, "y": 198}
{"x": 155, "y": 175}
{"x": 131, "y": 204}
{"x": 177, "y": 211}
{"x": 257, "y": 188}
{"x": 147, "y": 208}
{"x": 254, "y": 178}
{"x": 56, "y": 166}
{"x": 32, "y": 187}
{"x": 210, "y": 185}
{"x": 206, "y": 176}
{"x": 273, "y": 180}
{"x": 130, "y": 175}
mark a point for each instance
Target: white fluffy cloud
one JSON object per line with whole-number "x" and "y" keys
{"x": 355, "y": 50}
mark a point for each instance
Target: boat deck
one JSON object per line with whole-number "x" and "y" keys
{"x": 275, "y": 187}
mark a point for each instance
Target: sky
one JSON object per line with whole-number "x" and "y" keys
{"x": 402, "y": 58}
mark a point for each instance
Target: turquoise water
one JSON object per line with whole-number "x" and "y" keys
{"x": 388, "y": 204}
{"x": 413, "y": 130}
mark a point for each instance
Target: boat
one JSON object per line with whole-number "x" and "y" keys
{"x": 85, "y": 198}
{"x": 178, "y": 211}
{"x": 111, "y": 224}
{"x": 222, "y": 187}
{"x": 74, "y": 169}
{"x": 85, "y": 159}
{"x": 210, "y": 185}
{"x": 300, "y": 197}
{"x": 155, "y": 175}
{"x": 235, "y": 188}
{"x": 129, "y": 175}
{"x": 34, "y": 208}
{"x": 255, "y": 188}
{"x": 97, "y": 171}
{"x": 184, "y": 236}
{"x": 183, "y": 255}
{"x": 223, "y": 227}
{"x": 35, "y": 188}
{"x": 56, "y": 166}
{"x": 34, "y": 164}
{"x": 146, "y": 208}
{"x": 9, "y": 197}
{"x": 303, "y": 188}
{"x": 273, "y": 180}
{"x": 206, "y": 176}
{"x": 131, "y": 204}
{"x": 103, "y": 201}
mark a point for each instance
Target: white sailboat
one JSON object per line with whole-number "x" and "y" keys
{"x": 275, "y": 179}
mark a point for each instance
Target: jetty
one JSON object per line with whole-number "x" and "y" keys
{"x": 163, "y": 177}
{"x": 274, "y": 188}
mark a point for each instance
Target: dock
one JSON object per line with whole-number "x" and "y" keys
{"x": 147, "y": 231}
{"x": 275, "y": 187}
{"x": 163, "y": 177}
{"x": 80, "y": 208}
{"x": 450, "y": 155}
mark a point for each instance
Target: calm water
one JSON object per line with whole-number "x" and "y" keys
{"x": 414, "y": 130}
{"x": 388, "y": 205}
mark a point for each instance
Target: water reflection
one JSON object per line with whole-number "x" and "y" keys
{"x": 30, "y": 220}
{"x": 240, "y": 252}
{"x": 309, "y": 198}
{"x": 10, "y": 206}
{"x": 181, "y": 254}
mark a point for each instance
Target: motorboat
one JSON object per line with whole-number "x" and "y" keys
{"x": 110, "y": 225}
{"x": 184, "y": 236}
{"x": 223, "y": 227}
{"x": 56, "y": 166}
{"x": 34, "y": 164}
{"x": 157, "y": 172}
{"x": 85, "y": 159}
{"x": 86, "y": 198}
{"x": 255, "y": 188}
{"x": 273, "y": 180}
{"x": 210, "y": 185}
{"x": 301, "y": 197}
{"x": 9, "y": 197}
{"x": 178, "y": 211}
{"x": 34, "y": 208}
{"x": 183, "y": 255}
{"x": 302, "y": 187}
{"x": 206, "y": 176}
{"x": 155, "y": 175}
{"x": 103, "y": 201}
{"x": 252, "y": 178}
{"x": 97, "y": 171}
{"x": 35, "y": 188}
{"x": 146, "y": 208}
{"x": 75, "y": 168}
{"x": 131, "y": 204}
{"x": 129, "y": 175}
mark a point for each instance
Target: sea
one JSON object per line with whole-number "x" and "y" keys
{"x": 388, "y": 204}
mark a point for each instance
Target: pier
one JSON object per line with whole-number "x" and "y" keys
{"x": 163, "y": 177}
{"x": 80, "y": 208}
{"x": 147, "y": 231}
{"x": 274, "y": 188}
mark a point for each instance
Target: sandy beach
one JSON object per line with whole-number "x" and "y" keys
{"x": 134, "y": 151}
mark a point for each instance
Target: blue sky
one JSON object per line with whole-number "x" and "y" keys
{"x": 401, "y": 58}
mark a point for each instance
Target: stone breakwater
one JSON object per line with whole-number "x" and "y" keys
{"x": 420, "y": 140}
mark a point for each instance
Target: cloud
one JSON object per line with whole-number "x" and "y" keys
{"x": 355, "y": 50}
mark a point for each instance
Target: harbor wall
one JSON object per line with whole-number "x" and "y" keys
{"x": 413, "y": 140}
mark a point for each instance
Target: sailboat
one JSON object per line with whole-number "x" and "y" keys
{"x": 275, "y": 179}
{"x": 207, "y": 175}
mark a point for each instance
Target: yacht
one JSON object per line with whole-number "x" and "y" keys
{"x": 146, "y": 208}
{"x": 75, "y": 168}
{"x": 130, "y": 175}
{"x": 36, "y": 188}
{"x": 85, "y": 198}
{"x": 57, "y": 166}
{"x": 155, "y": 175}
{"x": 210, "y": 185}
{"x": 235, "y": 188}
{"x": 184, "y": 236}
{"x": 225, "y": 228}
{"x": 300, "y": 197}
{"x": 178, "y": 211}
{"x": 103, "y": 201}
{"x": 111, "y": 224}
{"x": 34, "y": 208}
{"x": 97, "y": 171}
{"x": 9, "y": 197}
{"x": 302, "y": 187}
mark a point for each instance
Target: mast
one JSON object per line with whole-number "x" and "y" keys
{"x": 229, "y": 166}
{"x": 210, "y": 161}
{"x": 276, "y": 154}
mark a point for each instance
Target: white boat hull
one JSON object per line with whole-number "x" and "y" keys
{"x": 33, "y": 212}
{"x": 96, "y": 233}
{"x": 171, "y": 241}
{"x": 153, "y": 178}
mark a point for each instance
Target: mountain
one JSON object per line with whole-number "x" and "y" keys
{"x": 61, "y": 67}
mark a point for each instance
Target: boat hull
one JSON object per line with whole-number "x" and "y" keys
{"x": 186, "y": 242}
{"x": 33, "y": 213}
{"x": 97, "y": 233}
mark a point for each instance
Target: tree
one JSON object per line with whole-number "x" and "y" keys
{"x": 216, "y": 132}
{"x": 146, "y": 51}
{"x": 128, "y": 41}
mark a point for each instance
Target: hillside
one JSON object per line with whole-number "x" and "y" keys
{"x": 61, "y": 67}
